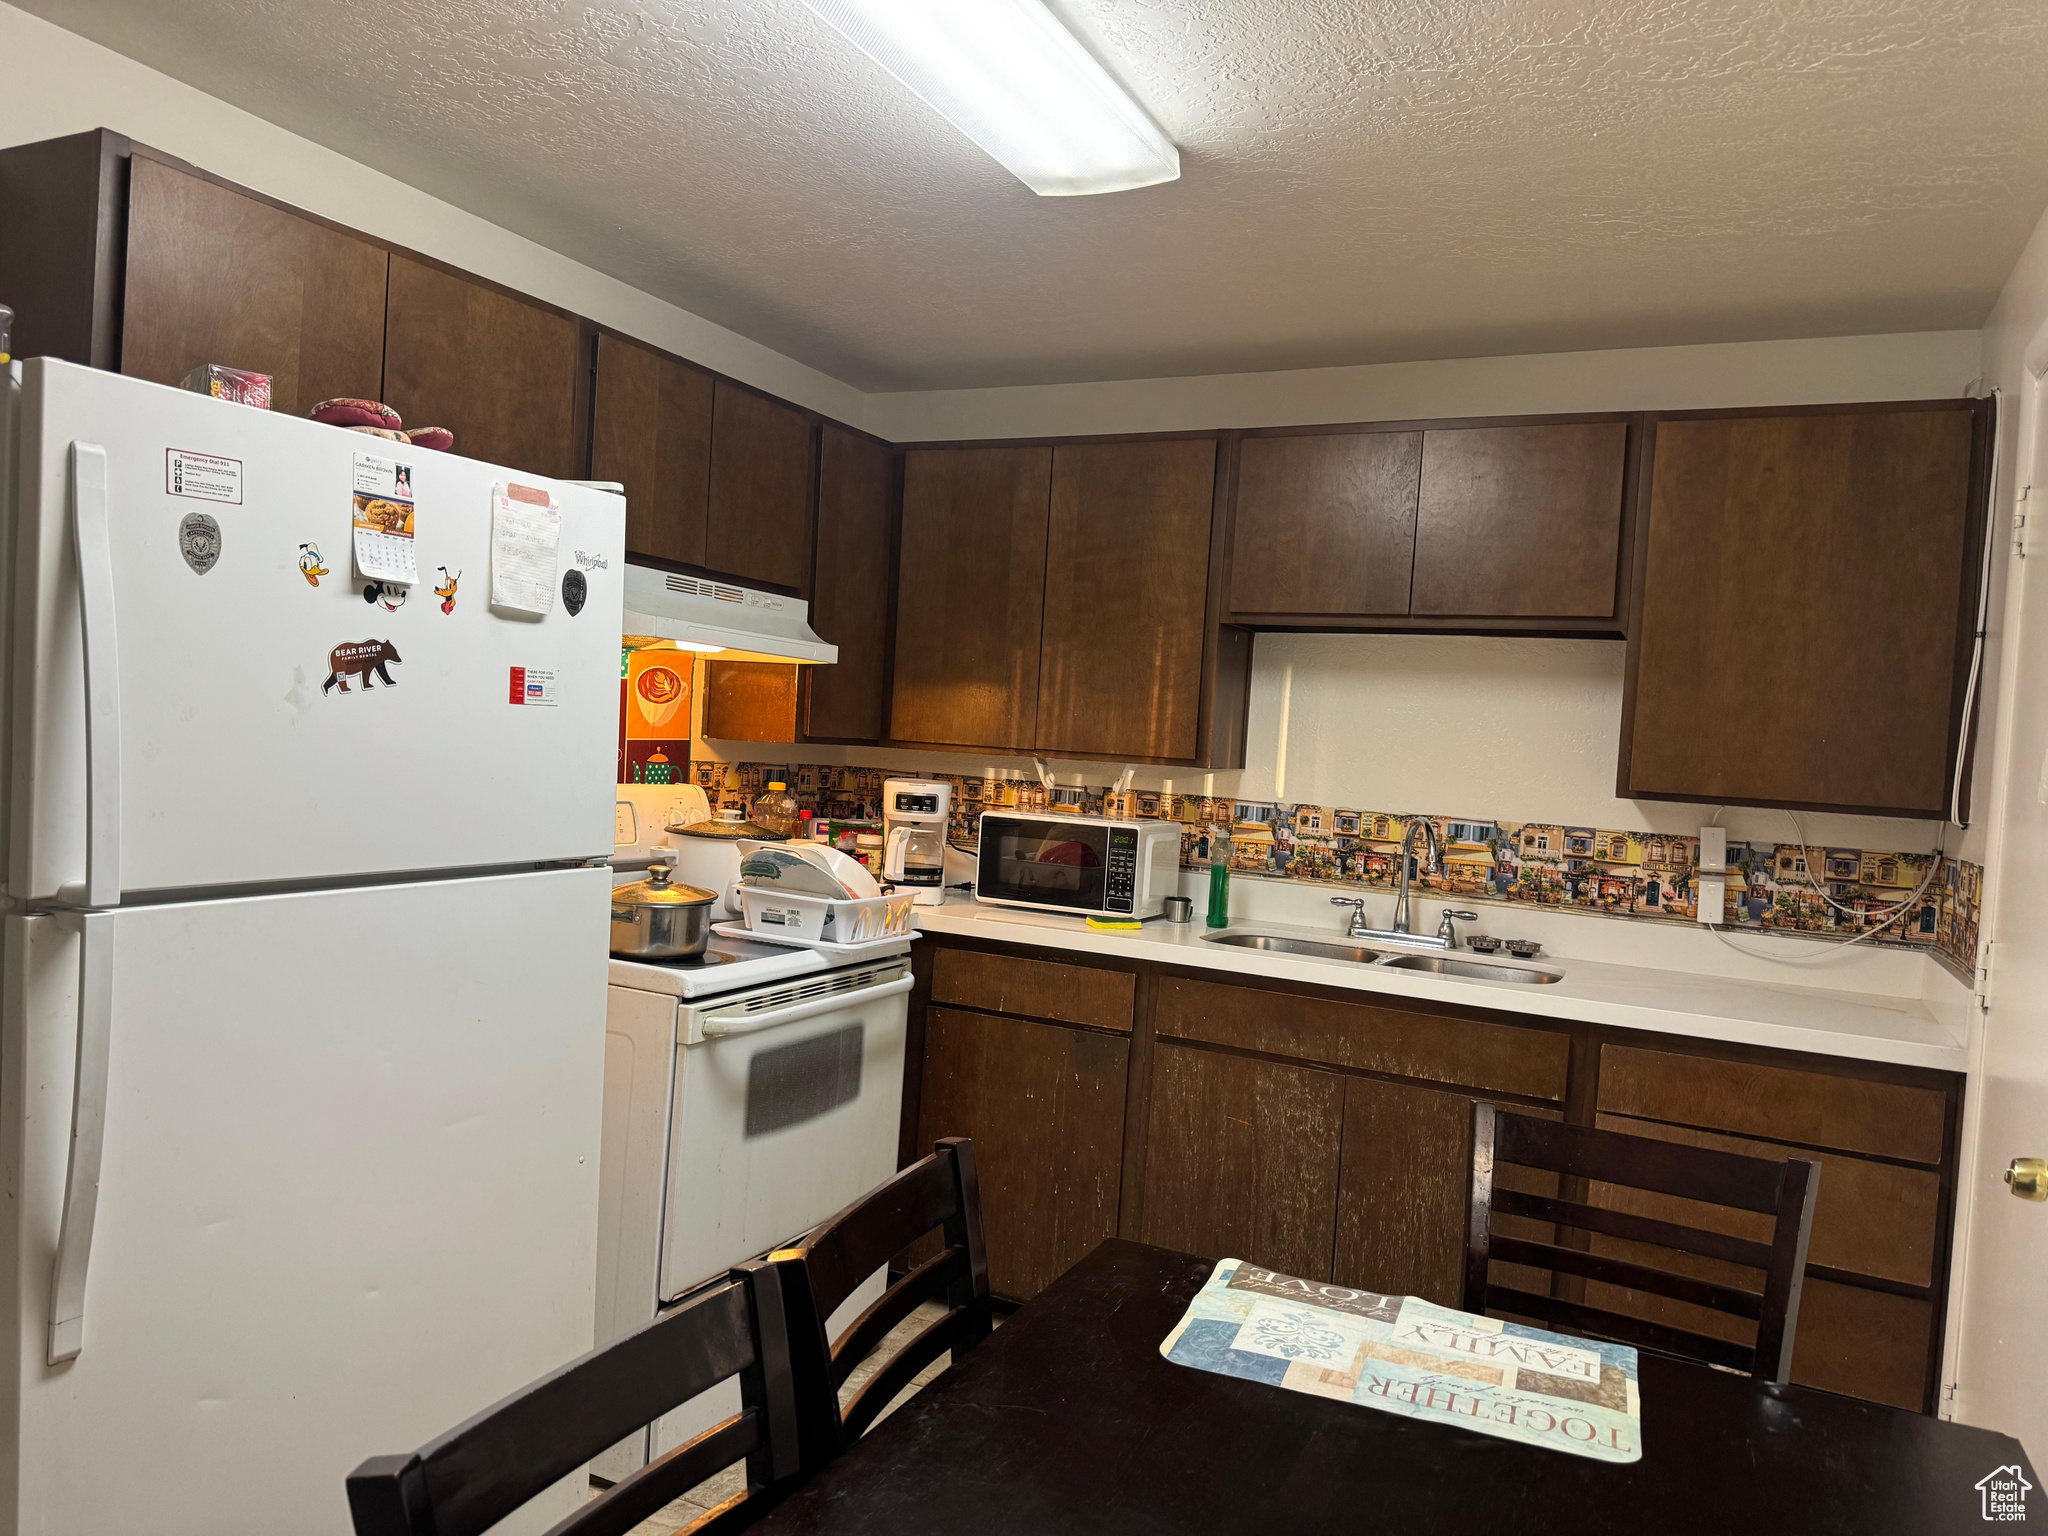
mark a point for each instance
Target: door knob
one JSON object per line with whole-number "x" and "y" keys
{"x": 2027, "y": 1177}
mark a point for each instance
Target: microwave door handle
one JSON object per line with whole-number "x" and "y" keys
{"x": 720, "y": 1029}
{"x": 92, "y": 543}
{"x": 88, "y": 1133}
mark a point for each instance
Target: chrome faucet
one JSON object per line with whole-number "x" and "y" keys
{"x": 1403, "y": 930}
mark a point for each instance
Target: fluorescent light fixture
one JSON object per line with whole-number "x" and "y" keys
{"x": 1010, "y": 77}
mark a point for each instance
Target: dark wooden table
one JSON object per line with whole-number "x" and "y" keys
{"x": 1068, "y": 1420}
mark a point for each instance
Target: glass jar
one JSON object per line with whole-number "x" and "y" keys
{"x": 776, "y": 809}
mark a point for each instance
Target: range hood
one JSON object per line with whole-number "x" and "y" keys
{"x": 718, "y": 619}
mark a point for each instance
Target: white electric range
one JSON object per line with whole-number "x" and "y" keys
{"x": 749, "y": 1095}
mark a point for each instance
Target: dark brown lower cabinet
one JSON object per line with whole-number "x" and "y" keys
{"x": 1241, "y": 1159}
{"x": 1328, "y": 1135}
{"x": 1045, "y": 1106}
{"x": 1405, "y": 1179}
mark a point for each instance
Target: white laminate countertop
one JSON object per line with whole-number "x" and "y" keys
{"x": 1863, "y": 1025}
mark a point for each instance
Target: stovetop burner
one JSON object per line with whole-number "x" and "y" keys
{"x": 710, "y": 957}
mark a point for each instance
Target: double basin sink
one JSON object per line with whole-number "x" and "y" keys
{"x": 1436, "y": 963}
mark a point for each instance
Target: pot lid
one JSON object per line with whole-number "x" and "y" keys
{"x": 727, "y": 825}
{"x": 657, "y": 890}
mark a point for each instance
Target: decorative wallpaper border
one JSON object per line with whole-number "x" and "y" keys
{"x": 1612, "y": 872}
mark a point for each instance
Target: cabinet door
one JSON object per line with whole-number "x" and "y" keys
{"x": 849, "y": 700}
{"x": 1406, "y": 1187}
{"x": 750, "y": 701}
{"x": 651, "y": 432}
{"x": 1521, "y": 522}
{"x": 1805, "y": 610}
{"x": 1045, "y": 1107}
{"x": 216, "y": 276}
{"x": 1126, "y": 592}
{"x": 1325, "y": 523}
{"x": 762, "y": 472}
{"x": 504, "y": 375}
{"x": 1241, "y": 1159}
{"x": 970, "y": 596}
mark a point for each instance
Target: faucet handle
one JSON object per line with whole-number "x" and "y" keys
{"x": 1446, "y": 929}
{"x": 1347, "y": 901}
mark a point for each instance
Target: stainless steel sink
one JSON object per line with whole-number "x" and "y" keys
{"x": 1283, "y": 944}
{"x": 1475, "y": 970}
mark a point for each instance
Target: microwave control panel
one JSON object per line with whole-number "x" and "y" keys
{"x": 1120, "y": 892}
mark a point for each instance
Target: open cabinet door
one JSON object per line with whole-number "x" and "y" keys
{"x": 2001, "y": 1368}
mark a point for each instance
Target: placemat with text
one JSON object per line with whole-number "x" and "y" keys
{"x": 1404, "y": 1355}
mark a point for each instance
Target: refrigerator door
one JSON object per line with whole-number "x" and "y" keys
{"x": 256, "y": 720}
{"x": 348, "y": 1193}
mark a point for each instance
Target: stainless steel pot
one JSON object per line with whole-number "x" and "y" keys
{"x": 656, "y": 919}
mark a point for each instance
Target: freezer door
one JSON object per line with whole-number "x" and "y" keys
{"x": 265, "y": 722}
{"x": 348, "y": 1193}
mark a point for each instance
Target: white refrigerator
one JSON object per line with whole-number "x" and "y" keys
{"x": 301, "y": 1068}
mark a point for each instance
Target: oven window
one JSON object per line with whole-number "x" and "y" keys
{"x": 1043, "y": 863}
{"x": 794, "y": 1083}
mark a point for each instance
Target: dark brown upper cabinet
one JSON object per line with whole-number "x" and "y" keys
{"x": 851, "y": 586}
{"x": 504, "y": 374}
{"x": 1521, "y": 522}
{"x": 763, "y": 476}
{"x": 1325, "y": 523}
{"x": 751, "y": 701}
{"x": 216, "y": 276}
{"x": 1126, "y": 590}
{"x": 651, "y": 432}
{"x": 1806, "y": 602}
{"x": 971, "y": 597}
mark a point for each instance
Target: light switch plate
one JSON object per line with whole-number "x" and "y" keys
{"x": 1713, "y": 850}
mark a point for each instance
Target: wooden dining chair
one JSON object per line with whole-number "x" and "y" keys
{"x": 1780, "y": 1191}
{"x": 940, "y": 1192}
{"x": 481, "y": 1471}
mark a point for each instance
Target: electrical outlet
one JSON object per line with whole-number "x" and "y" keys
{"x": 1714, "y": 850}
{"x": 1713, "y": 894}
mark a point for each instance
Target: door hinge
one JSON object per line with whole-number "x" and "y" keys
{"x": 2019, "y": 522}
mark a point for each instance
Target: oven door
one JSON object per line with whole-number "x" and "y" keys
{"x": 783, "y": 1114}
{"x": 1055, "y": 863}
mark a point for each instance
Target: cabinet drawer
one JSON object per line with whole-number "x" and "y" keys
{"x": 1039, "y": 989}
{"x": 1779, "y": 1103}
{"x": 1496, "y": 1058}
{"x": 1868, "y": 1218}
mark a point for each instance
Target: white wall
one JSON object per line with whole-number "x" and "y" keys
{"x": 56, "y": 83}
{"x": 1921, "y": 366}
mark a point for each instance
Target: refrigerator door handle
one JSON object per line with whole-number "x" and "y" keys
{"x": 93, "y": 543}
{"x": 88, "y": 1131}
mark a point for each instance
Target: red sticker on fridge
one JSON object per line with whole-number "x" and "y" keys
{"x": 532, "y": 685}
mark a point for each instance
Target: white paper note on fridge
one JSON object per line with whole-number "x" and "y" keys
{"x": 526, "y": 540}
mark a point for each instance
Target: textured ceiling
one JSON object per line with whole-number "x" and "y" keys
{"x": 1363, "y": 180}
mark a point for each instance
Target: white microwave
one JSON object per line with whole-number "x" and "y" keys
{"x": 1086, "y": 865}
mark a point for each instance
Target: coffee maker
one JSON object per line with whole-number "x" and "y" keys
{"x": 915, "y": 816}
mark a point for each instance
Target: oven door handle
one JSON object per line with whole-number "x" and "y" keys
{"x": 720, "y": 1029}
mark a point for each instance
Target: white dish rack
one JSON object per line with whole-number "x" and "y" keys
{"x": 789, "y": 917}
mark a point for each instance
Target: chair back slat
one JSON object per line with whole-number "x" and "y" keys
{"x": 467, "y": 1480}
{"x": 1599, "y": 1323}
{"x": 666, "y": 1478}
{"x": 1783, "y": 1191}
{"x": 954, "y": 1330}
{"x": 1635, "y": 1277}
{"x": 1663, "y": 1167}
{"x": 929, "y": 1281}
{"x": 941, "y": 1192}
{"x": 1638, "y": 1229}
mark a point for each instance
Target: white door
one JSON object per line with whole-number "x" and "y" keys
{"x": 242, "y": 748}
{"x": 347, "y": 1197}
{"x": 2002, "y": 1372}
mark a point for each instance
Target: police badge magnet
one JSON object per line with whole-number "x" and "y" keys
{"x": 199, "y": 541}
{"x": 574, "y": 590}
